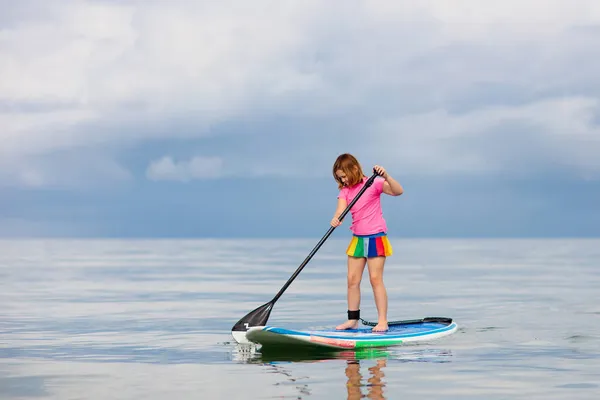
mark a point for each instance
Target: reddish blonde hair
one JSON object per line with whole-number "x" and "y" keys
{"x": 350, "y": 166}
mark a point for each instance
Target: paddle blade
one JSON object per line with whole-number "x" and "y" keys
{"x": 256, "y": 317}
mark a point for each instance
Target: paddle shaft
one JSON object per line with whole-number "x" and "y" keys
{"x": 323, "y": 239}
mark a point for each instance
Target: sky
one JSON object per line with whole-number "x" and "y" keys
{"x": 187, "y": 118}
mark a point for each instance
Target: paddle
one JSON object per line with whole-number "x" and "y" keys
{"x": 260, "y": 315}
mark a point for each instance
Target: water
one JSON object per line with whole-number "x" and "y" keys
{"x": 129, "y": 319}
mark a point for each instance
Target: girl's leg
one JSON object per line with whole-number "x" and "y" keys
{"x": 376, "y": 277}
{"x": 356, "y": 266}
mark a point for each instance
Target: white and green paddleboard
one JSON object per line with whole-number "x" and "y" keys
{"x": 400, "y": 332}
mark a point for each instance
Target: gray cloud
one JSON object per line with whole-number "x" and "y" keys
{"x": 430, "y": 84}
{"x": 166, "y": 169}
{"x": 84, "y": 168}
{"x": 520, "y": 140}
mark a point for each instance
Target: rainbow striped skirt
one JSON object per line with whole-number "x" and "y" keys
{"x": 376, "y": 245}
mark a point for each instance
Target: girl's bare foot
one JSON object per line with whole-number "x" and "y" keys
{"x": 350, "y": 324}
{"x": 381, "y": 327}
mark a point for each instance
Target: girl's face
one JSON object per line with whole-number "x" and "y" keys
{"x": 342, "y": 176}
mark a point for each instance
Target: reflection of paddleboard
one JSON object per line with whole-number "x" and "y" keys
{"x": 400, "y": 332}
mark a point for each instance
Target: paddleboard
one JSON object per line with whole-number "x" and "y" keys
{"x": 400, "y": 332}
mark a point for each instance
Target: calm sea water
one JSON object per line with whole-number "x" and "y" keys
{"x": 151, "y": 319}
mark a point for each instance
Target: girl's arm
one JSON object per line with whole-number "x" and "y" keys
{"x": 341, "y": 206}
{"x": 392, "y": 187}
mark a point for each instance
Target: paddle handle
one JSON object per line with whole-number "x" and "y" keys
{"x": 324, "y": 238}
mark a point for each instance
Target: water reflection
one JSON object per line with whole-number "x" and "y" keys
{"x": 374, "y": 383}
{"x": 302, "y": 388}
{"x": 254, "y": 354}
{"x": 364, "y": 369}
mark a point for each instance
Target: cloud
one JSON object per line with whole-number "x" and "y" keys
{"x": 104, "y": 77}
{"x": 165, "y": 169}
{"x": 520, "y": 140}
{"x": 81, "y": 169}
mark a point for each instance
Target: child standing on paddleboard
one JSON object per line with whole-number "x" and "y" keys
{"x": 369, "y": 245}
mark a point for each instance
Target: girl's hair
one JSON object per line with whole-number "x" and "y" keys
{"x": 350, "y": 166}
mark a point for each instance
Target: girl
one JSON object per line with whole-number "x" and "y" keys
{"x": 369, "y": 244}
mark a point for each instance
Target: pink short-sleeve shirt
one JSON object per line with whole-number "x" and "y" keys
{"x": 367, "y": 216}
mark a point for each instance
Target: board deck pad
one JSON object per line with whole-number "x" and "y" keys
{"x": 399, "y": 332}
